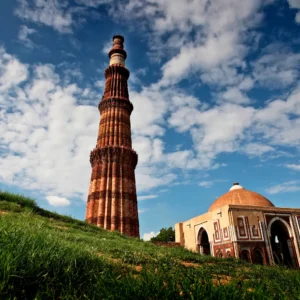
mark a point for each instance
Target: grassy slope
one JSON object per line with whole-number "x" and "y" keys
{"x": 44, "y": 255}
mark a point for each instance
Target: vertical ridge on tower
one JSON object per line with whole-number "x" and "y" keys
{"x": 112, "y": 201}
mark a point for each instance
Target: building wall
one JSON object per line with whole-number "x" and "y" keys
{"x": 234, "y": 229}
{"x": 216, "y": 224}
{"x": 253, "y": 230}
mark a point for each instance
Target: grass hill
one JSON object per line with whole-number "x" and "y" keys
{"x": 44, "y": 255}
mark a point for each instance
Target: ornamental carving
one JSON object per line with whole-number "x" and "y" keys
{"x": 114, "y": 154}
{"x": 115, "y": 103}
{"x": 131, "y": 197}
{"x": 116, "y": 69}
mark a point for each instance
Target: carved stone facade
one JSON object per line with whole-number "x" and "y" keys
{"x": 245, "y": 225}
{"x": 112, "y": 201}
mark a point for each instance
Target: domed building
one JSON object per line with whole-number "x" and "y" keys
{"x": 246, "y": 225}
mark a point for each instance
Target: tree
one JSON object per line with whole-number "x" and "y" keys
{"x": 165, "y": 235}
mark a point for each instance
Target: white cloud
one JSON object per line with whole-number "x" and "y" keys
{"x": 295, "y": 4}
{"x": 147, "y": 197}
{"x": 24, "y": 36}
{"x": 257, "y": 149}
{"x": 293, "y": 167}
{"x": 213, "y": 25}
{"x": 51, "y": 13}
{"x": 215, "y": 130}
{"x": 12, "y": 71}
{"x": 206, "y": 184}
{"x": 48, "y": 136}
{"x": 284, "y": 187}
{"x": 279, "y": 121}
{"x": 210, "y": 183}
{"x": 62, "y": 15}
{"x": 277, "y": 68}
{"x": 206, "y": 56}
{"x": 92, "y": 3}
{"x": 246, "y": 84}
{"x": 234, "y": 95}
{"x": 148, "y": 236}
{"x": 58, "y": 201}
{"x": 107, "y": 46}
{"x": 147, "y": 178}
{"x": 149, "y": 109}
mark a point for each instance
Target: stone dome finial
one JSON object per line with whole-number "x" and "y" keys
{"x": 236, "y": 186}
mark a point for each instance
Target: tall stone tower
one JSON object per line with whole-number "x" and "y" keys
{"x": 112, "y": 201}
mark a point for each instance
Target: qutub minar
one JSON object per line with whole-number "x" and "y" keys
{"x": 112, "y": 201}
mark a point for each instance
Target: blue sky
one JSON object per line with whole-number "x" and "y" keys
{"x": 215, "y": 88}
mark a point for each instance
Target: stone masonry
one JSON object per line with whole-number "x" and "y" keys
{"x": 112, "y": 201}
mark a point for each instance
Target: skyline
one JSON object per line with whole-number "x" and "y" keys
{"x": 215, "y": 89}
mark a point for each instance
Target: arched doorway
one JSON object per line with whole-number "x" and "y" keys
{"x": 245, "y": 255}
{"x": 258, "y": 257}
{"x": 203, "y": 242}
{"x": 281, "y": 244}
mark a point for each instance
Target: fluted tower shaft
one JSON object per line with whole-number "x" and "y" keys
{"x": 112, "y": 201}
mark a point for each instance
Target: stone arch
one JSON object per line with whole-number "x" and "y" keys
{"x": 258, "y": 257}
{"x": 281, "y": 242}
{"x": 245, "y": 255}
{"x": 283, "y": 221}
{"x": 203, "y": 242}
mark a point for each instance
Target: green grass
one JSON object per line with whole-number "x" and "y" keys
{"x": 44, "y": 255}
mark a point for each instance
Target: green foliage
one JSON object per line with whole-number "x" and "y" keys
{"x": 10, "y": 206}
{"x": 55, "y": 257}
{"x": 18, "y": 199}
{"x": 23, "y": 203}
{"x": 165, "y": 235}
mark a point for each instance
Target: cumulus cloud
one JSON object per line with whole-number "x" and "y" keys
{"x": 193, "y": 58}
{"x": 277, "y": 68}
{"x": 12, "y": 71}
{"x": 148, "y": 236}
{"x": 46, "y": 134}
{"x": 257, "y": 149}
{"x": 295, "y": 4}
{"x": 234, "y": 95}
{"x": 24, "y": 36}
{"x": 52, "y": 13}
{"x": 294, "y": 167}
{"x": 284, "y": 187}
{"x": 92, "y": 3}
{"x": 191, "y": 33}
{"x": 58, "y": 201}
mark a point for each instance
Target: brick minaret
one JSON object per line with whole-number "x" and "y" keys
{"x": 112, "y": 202}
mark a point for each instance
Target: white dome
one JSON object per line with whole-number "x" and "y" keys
{"x": 236, "y": 186}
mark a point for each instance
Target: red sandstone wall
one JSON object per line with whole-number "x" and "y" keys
{"x": 112, "y": 201}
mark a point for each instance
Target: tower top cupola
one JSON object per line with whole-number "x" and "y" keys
{"x": 117, "y": 54}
